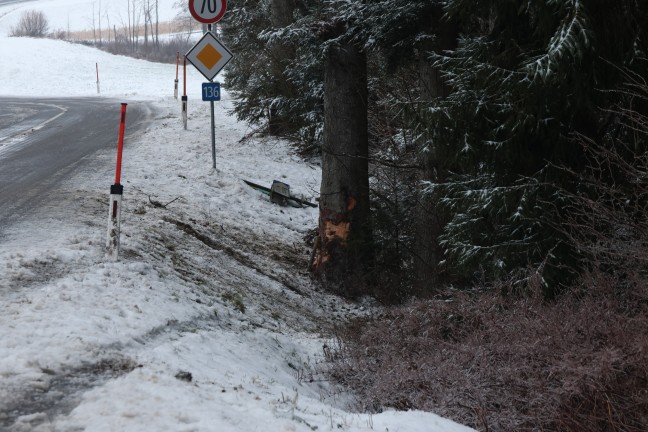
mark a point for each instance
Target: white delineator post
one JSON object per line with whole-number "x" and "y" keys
{"x": 97, "y": 67}
{"x": 184, "y": 97}
{"x": 175, "y": 86}
{"x": 114, "y": 221}
{"x": 116, "y": 194}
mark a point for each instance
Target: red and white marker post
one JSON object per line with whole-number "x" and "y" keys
{"x": 116, "y": 193}
{"x": 175, "y": 87}
{"x": 184, "y": 97}
{"x": 97, "y": 67}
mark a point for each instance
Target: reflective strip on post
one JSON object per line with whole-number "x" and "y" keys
{"x": 184, "y": 111}
{"x": 184, "y": 75}
{"x": 184, "y": 94}
{"x": 114, "y": 221}
{"x": 175, "y": 87}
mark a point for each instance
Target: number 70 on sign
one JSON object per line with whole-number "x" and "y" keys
{"x": 207, "y": 11}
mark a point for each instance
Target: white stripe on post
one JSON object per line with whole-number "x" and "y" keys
{"x": 114, "y": 221}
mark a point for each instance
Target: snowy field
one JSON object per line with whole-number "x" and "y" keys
{"x": 209, "y": 321}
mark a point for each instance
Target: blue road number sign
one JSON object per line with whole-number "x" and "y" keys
{"x": 211, "y": 91}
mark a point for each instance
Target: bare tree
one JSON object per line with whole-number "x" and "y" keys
{"x": 32, "y": 24}
{"x": 136, "y": 24}
{"x": 157, "y": 23}
{"x": 93, "y": 23}
{"x": 184, "y": 21}
{"x": 108, "y": 20}
{"x": 129, "y": 18}
{"x": 99, "y": 17}
{"x": 146, "y": 9}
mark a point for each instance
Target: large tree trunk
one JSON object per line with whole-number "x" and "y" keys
{"x": 430, "y": 219}
{"x": 344, "y": 255}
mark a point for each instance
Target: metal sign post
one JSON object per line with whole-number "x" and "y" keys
{"x": 213, "y": 123}
{"x": 209, "y": 55}
{"x": 211, "y": 93}
{"x": 213, "y": 134}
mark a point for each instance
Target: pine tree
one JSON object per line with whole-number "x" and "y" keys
{"x": 488, "y": 94}
{"x": 309, "y": 57}
{"x": 248, "y": 72}
{"x": 344, "y": 257}
{"x": 525, "y": 77}
{"x": 277, "y": 72}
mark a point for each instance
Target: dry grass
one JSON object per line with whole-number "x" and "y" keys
{"x": 507, "y": 364}
{"x": 88, "y": 35}
{"x": 516, "y": 362}
{"x": 174, "y": 38}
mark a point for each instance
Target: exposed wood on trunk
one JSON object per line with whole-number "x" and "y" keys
{"x": 345, "y": 254}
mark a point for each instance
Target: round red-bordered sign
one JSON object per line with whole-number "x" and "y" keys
{"x": 207, "y": 11}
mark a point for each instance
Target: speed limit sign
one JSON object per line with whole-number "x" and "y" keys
{"x": 207, "y": 11}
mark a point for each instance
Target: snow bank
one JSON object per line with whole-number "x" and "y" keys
{"x": 208, "y": 322}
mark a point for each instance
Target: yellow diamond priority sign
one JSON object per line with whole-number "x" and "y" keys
{"x": 209, "y": 56}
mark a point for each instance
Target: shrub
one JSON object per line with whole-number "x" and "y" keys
{"x": 606, "y": 218}
{"x": 507, "y": 364}
{"x": 31, "y": 24}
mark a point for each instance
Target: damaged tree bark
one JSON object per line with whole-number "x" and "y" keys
{"x": 344, "y": 252}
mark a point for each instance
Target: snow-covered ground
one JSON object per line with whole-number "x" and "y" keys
{"x": 209, "y": 321}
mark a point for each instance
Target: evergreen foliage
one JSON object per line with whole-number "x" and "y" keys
{"x": 289, "y": 88}
{"x": 245, "y": 74}
{"x": 524, "y": 78}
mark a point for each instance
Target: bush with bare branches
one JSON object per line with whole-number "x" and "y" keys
{"x": 606, "y": 219}
{"x": 31, "y": 24}
{"x": 507, "y": 364}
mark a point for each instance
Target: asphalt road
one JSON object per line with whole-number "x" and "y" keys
{"x": 44, "y": 142}
{"x": 7, "y": 2}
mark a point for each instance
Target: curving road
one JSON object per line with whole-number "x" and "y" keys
{"x": 44, "y": 142}
{"x": 7, "y": 2}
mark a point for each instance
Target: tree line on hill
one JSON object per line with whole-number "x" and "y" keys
{"x": 141, "y": 35}
{"x": 460, "y": 141}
